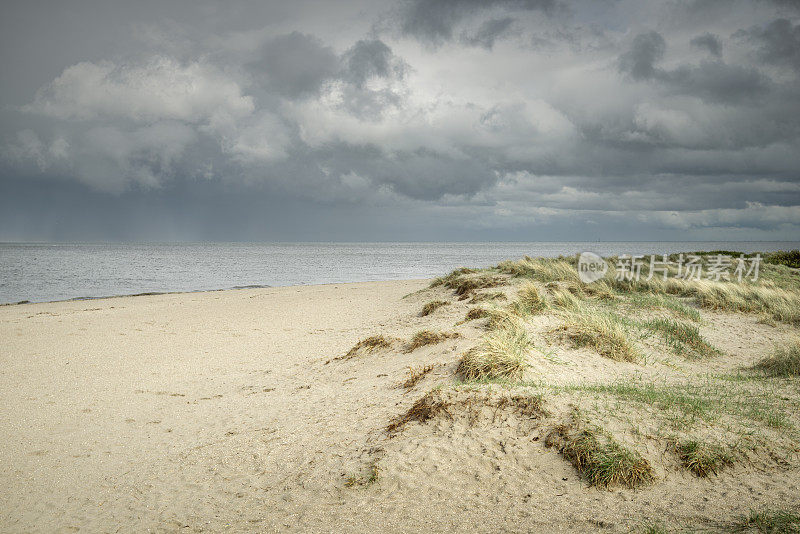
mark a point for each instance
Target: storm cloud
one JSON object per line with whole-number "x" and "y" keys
{"x": 445, "y": 119}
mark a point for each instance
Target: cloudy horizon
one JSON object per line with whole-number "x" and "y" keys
{"x": 434, "y": 120}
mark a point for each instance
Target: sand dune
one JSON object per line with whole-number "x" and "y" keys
{"x": 238, "y": 411}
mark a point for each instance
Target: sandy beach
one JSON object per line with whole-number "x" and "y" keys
{"x": 237, "y": 411}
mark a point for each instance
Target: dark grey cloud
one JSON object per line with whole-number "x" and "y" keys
{"x": 709, "y": 42}
{"x": 434, "y": 20}
{"x": 646, "y": 49}
{"x": 488, "y": 32}
{"x": 778, "y": 42}
{"x": 369, "y": 59}
{"x": 713, "y": 81}
{"x": 295, "y": 64}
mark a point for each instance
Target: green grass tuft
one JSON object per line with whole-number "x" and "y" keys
{"x": 682, "y": 338}
{"x": 702, "y": 459}
{"x": 784, "y": 362}
{"x": 769, "y": 521}
{"x": 598, "y": 458}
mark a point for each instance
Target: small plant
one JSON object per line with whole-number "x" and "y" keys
{"x": 654, "y": 528}
{"x": 789, "y": 258}
{"x": 368, "y": 345}
{"x": 682, "y": 338}
{"x": 432, "y": 306}
{"x": 427, "y": 337}
{"x": 436, "y": 403}
{"x": 501, "y": 354}
{"x": 425, "y": 408}
{"x": 597, "y": 457}
{"x": 476, "y": 313}
{"x": 415, "y": 374}
{"x": 442, "y": 280}
{"x": 367, "y": 479}
{"x": 784, "y": 362}
{"x": 465, "y": 286}
{"x": 769, "y": 521}
{"x": 702, "y": 459}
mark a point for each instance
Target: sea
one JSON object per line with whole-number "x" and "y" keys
{"x": 42, "y": 272}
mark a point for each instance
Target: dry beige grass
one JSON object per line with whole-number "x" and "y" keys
{"x": 502, "y": 353}
{"x": 487, "y": 296}
{"x": 529, "y": 301}
{"x": 428, "y": 337}
{"x": 368, "y": 345}
{"x": 415, "y": 374}
{"x": 432, "y": 306}
{"x": 476, "y": 313}
{"x": 449, "y": 404}
{"x": 602, "y": 332}
{"x": 465, "y": 286}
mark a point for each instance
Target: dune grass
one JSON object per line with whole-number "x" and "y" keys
{"x": 440, "y": 402}
{"x": 682, "y": 338}
{"x": 666, "y": 302}
{"x": 708, "y": 400}
{"x": 565, "y": 298}
{"x": 529, "y": 300}
{"x": 432, "y": 306}
{"x": 598, "y": 457}
{"x": 427, "y": 337}
{"x": 763, "y": 297}
{"x": 368, "y": 345}
{"x": 476, "y": 313}
{"x": 702, "y": 459}
{"x": 465, "y": 286}
{"x": 541, "y": 269}
{"x": 769, "y": 521}
{"x": 775, "y": 295}
{"x": 424, "y": 409}
{"x": 784, "y": 362}
{"x": 487, "y": 296}
{"x": 605, "y": 333}
{"x": 502, "y": 353}
{"x": 415, "y": 374}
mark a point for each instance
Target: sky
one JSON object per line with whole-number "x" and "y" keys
{"x": 413, "y": 120}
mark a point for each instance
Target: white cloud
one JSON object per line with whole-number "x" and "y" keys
{"x": 161, "y": 88}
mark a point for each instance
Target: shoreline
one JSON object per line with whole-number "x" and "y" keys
{"x": 194, "y": 291}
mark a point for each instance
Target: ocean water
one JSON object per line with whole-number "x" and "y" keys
{"x": 45, "y": 272}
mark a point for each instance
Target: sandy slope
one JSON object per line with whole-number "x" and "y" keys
{"x": 221, "y": 411}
